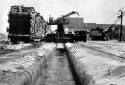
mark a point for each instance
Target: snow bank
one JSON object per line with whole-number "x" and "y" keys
{"x": 18, "y": 46}
{"x": 25, "y": 67}
{"x": 113, "y": 47}
{"x": 69, "y": 44}
{"x": 97, "y": 68}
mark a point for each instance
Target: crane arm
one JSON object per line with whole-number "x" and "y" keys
{"x": 115, "y": 22}
{"x": 110, "y": 28}
{"x": 71, "y": 13}
{"x": 60, "y": 19}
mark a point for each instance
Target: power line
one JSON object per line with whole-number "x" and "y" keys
{"x": 110, "y": 18}
{"x": 122, "y": 13}
{"x": 114, "y": 15}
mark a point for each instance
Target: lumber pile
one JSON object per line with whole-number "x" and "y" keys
{"x": 26, "y": 21}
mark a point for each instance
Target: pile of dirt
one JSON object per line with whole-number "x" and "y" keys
{"x": 113, "y": 47}
{"x": 96, "y": 68}
{"x": 25, "y": 67}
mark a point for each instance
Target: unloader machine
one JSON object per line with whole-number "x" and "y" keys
{"x": 60, "y": 35}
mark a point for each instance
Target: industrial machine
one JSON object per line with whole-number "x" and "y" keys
{"x": 115, "y": 30}
{"x": 97, "y": 34}
{"x": 60, "y": 22}
{"x": 80, "y": 36}
{"x": 27, "y": 25}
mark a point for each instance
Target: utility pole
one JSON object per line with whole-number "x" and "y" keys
{"x": 121, "y": 17}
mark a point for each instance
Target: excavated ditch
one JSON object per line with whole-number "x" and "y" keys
{"x": 72, "y": 68}
{"x": 60, "y": 70}
{"x": 41, "y": 66}
{"x": 25, "y": 67}
{"x": 94, "y": 67}
{"x": 80, "y": 75}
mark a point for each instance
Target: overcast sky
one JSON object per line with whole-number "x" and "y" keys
{"x": 93, "y": 11}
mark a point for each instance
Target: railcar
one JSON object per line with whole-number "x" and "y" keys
{"x": 25, "y": 24}
{"x": 80, "y": 36}
{"x": 97, "y": 34}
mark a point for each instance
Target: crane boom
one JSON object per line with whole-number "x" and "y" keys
{"x": 110, "y": 31}
{"x": 115, "y": 22}
{"x": 62, "y": 19}
{"x": 73, "y": 12}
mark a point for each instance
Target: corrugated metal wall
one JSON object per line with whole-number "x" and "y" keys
{"x": 78, "y": 24}
{"x": 89, "y": 26}
{"x": 75, "y": 23}
{"x": 104, "y": 26}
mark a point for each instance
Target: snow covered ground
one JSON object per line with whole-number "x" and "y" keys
{"x": 98, "y": 68}
{"x": 24, "y": 67}
{"x": 58, "y": 71}
{"x": 18, "y": 46}
{"x": 114, "y": 47}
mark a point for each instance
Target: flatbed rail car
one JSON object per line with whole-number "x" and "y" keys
{"x": 97, "y": 34}
{"x": 55, "y": 38}
{"x": 80, "y": 36}
{"x": 66, "y": 38}
{"x": 69, "y": 38}
{"x": 50, "y": 37}
{"x": 24, "y": 24}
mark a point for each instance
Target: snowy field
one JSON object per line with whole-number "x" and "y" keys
{"x": 98, "y": 68}
{"x": 24, "y": 67}
{"x": 18, "y": 46}
{"x": 114, "y": 47}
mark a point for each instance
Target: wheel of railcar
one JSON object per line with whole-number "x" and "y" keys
{"x": 76, "y": 40}
{"x": 13, "y": 40}
{"x": 84, "y": 40}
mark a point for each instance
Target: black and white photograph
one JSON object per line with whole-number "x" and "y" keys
{"x": 62, "y": 42}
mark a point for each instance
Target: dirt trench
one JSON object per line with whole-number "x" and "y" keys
{"x": 59, "y": 71}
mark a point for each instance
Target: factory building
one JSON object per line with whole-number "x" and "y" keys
{"x": 104, "y": 26}
{"x": 75, "y": 24}
{"x": 79, "y": 24}
{"x": 88, "y": 26}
